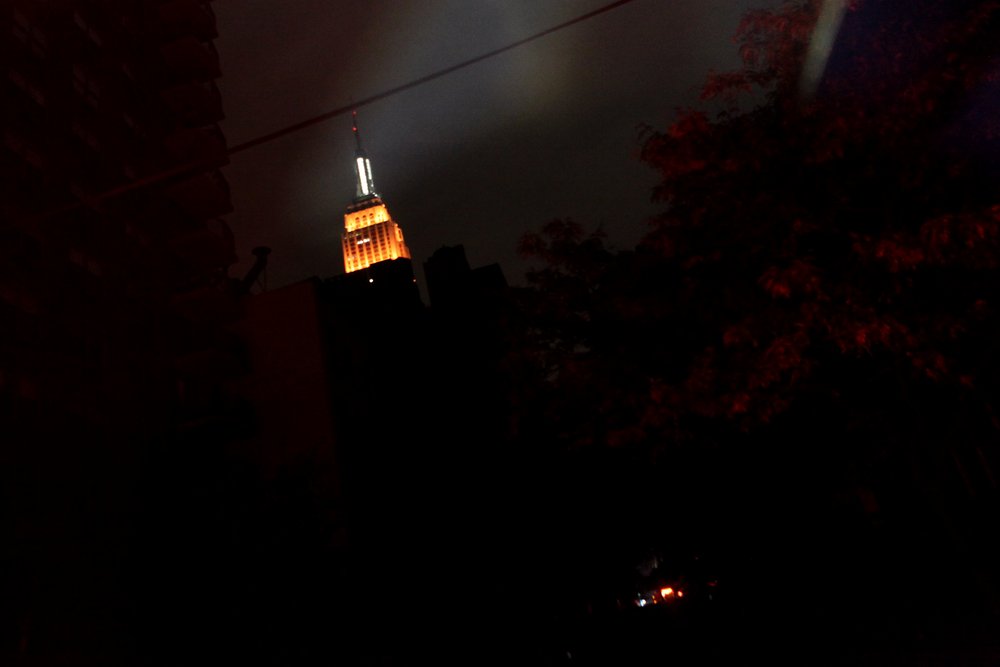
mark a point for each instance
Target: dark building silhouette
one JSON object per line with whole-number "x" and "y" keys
{"x": 114, "y": 313}
{"x": 452, "y": 283}
{"x": 193, "y": 470}
{"x": 402, "y": 407}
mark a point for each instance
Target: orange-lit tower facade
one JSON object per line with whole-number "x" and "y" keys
{"x": 370, "y": 234}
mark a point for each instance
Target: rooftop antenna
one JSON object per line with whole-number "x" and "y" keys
{"x": 354, "y": 128}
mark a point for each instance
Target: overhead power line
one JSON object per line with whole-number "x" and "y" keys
{"x": 422, "y": 80}
{"x": 270, "y": 136}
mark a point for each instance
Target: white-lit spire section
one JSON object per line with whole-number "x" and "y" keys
{"x": 362, "y": 165}
{"x": 359, "y": 167}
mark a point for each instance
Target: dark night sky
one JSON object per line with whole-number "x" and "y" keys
{"x": 478, "y": 156}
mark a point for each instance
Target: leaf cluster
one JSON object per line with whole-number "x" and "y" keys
{"x": 810, "y": 248}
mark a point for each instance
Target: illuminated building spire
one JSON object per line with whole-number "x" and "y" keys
{"x": 370, "y": 234}
{"x": 362, "y": 165}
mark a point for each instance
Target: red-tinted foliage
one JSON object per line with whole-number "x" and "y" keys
{"x": 793, "y": 229}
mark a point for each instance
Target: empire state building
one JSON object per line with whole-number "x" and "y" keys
{"x": 370, "y": 234}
